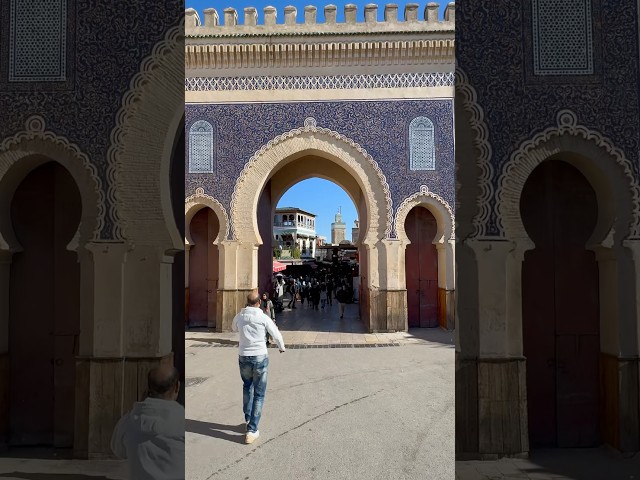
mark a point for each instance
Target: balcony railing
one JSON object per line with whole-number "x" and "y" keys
{"x": 293, "y": 224}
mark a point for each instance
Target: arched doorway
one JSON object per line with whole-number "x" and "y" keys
{"x": 203, "y": 269}
{"x": 323, "y": 170}
{"x": 560, "y": 308}
{"x": 298, "y": 211}
{"x": 421, "y": 267}
{"x": 44, "y": 312}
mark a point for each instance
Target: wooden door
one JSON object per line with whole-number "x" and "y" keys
{"x": 561, "y": 308}
{"x": 44, "y": 323}
{"x": 203, "y": 269}
{"x": 421, "y": 265}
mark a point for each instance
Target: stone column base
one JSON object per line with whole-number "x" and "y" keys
{"x": 230, "y": 302}
{"x": 106, "y": 389}
{"x": 491, "y": 408}
{"x": 620, "y": 402}
{"x": 4, "y": 400}
{"x": 388, "y": 311}
{"x": 446, "y": 308}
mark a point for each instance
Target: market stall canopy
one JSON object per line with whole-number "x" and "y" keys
{"x": 278, "y": 267}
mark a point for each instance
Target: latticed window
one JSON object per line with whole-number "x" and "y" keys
{"x": 201, "y": 147}
{"x": 37, "y": 40}
{"x": 562, "y": 37}
{"x": 422, "y": 149}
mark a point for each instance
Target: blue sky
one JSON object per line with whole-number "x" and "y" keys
{"x": 323, "y": 198}
{"x": 200, "y": 5}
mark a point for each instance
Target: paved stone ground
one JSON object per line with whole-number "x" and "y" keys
{"x": 330, "y": 413}
{"x": 559, "y": 464}
{"x": 304, "y": 326}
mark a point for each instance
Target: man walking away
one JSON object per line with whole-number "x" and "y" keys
{"x": 151, "y": 436}
{"x": 293, "y": 289}
{"x": 341, "y": 296}
{"x": 253, "y": 358}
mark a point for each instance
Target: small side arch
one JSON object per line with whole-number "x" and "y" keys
{"x": 438, "y": 206}
{"x": 197, "y": 202}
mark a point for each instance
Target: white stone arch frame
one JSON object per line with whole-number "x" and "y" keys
{"x": 194, "y": 203}
{"x": 569, "y": 137}
{"x": 299, "y": 142}
{"x": 135, "y": 166}
{"x": 32, "y": 147}
{"x": 485, "y": 152}
{"x": 445, "y": 235}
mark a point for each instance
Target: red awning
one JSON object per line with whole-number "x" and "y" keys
{"x": 278, "y": 267}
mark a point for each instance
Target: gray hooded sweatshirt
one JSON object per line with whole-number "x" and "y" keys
{"x": 151, "y": 438}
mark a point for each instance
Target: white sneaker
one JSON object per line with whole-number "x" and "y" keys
{"x": 251, "y": 436}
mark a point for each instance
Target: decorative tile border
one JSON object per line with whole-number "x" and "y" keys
{"x": 403, "y": 80}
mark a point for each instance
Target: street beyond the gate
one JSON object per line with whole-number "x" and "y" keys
{"x": 384, "y": 412}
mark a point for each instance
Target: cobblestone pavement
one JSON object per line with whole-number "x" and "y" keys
{"x": 305, "y": 327}
{"x": 560, "y": 464}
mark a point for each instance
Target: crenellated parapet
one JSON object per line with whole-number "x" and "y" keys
{"x": 215, "y": 25}
{"x": 403, "y": 42}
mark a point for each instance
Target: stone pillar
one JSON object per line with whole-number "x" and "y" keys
{"x": 392, "y": 307}
{"x": 499, "y": 412}
{"x": 5, "y": 270}
{"x": 100, "y": 380}
{"x": 446, "y": 284}
{"x": 237, "y": 278}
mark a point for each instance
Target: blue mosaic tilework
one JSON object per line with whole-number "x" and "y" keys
{"x": 110, "y": 40}
{"x": 516, "y": 109}
{"x": 381, "y": 127}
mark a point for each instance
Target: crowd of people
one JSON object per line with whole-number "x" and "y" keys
{"x": 316, "y": 292}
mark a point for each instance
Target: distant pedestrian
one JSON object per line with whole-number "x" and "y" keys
{"x": 330, "y": 288}
{"x": 294, "y": 291}
{"x": 253, "y": 358}
{"x": 315, "y": 294}
{"x": 323, "y": 295}
{"x": 341, "y": 296}
{"x": 266, "y": 306}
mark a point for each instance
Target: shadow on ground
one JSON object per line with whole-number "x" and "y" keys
{"x": 217, "y": 430}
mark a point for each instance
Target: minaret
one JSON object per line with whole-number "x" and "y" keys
{"x": 338, "y": 229}
{"x": 355, "y": 231}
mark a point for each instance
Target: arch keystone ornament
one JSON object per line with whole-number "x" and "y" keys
{"x": 545, "y": 144}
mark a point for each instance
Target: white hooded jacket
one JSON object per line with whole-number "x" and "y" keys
{"x": 151, "y": 438}
{"x": 253, "y": 326}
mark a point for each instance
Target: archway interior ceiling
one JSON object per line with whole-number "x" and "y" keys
{"x": 380, "y": 127}
{"x": 310, "y": 166}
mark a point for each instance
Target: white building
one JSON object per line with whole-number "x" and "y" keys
{"x": 291, "y": 227}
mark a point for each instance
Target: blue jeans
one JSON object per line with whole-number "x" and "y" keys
{"x": 253, "y": 371}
